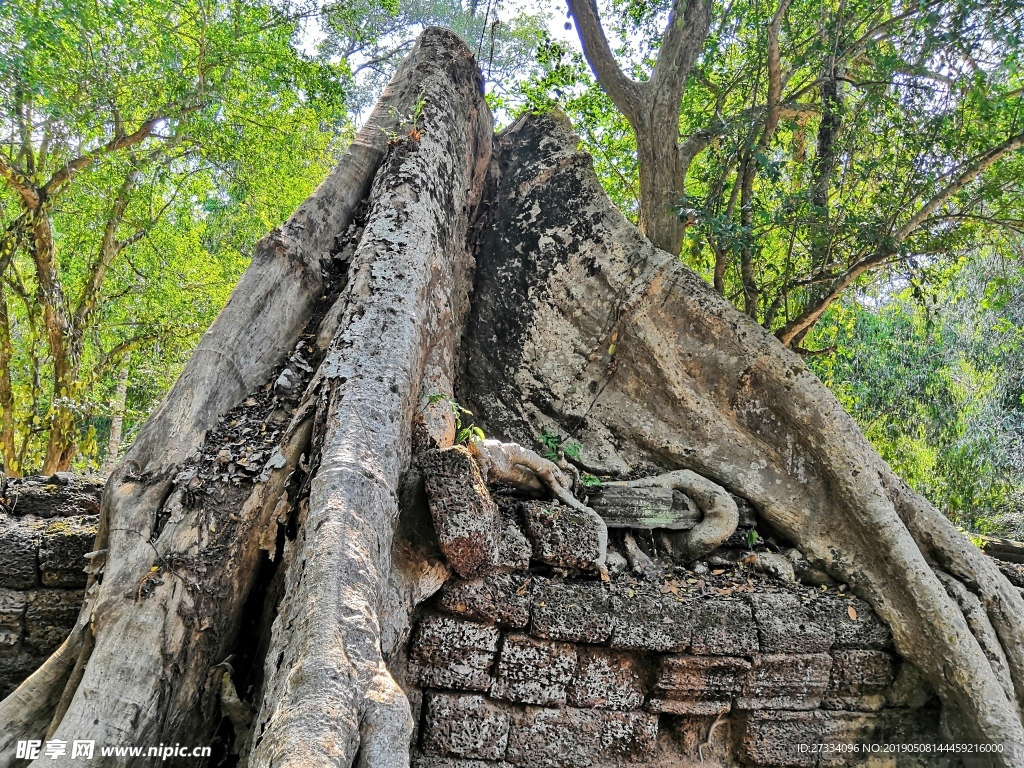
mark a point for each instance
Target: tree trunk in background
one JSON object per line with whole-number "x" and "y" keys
{"x": 652, "y": 109}
{"x": 116, "y": 418}
{"x": 252, "y": 578}
{"x": 661, "y": 184}
{"x": 8, "y": 447}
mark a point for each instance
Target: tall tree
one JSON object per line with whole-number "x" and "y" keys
{"x": 351, "y": 347}
{"x": 652, "y": 108}
{"x": 820, "y": 145}
{"x": 112, "y": 120}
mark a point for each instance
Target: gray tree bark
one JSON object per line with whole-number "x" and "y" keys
{"x": 351, "y": 319}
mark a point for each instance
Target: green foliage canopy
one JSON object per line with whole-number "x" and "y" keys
{"x": 144, "y": 147}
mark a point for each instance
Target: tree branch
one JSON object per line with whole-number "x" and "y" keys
{"x": 63, "y": 175}
{"x": 751, "y": 290}
{"x": 774, "y": 74}
{"x": 694, "y": 144}
{"x": 626, "y": 93}
{"x": 12, "y": 237}
{"x": 18, "y": 180}
{"x": 109, "y": 248}
{"x": 120, "y": 141}
{"x": 969, "y": 172}
{"x": 681, "y": 43}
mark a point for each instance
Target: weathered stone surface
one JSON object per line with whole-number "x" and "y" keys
{"x": 803, "y": 738}
{"x": 866, "y": 631}
{"x": 645, "y": 621}
{"x": 49, "y": 616}
{"x": 722, "y": 628}
{"x": 63, "y": 548}
{"x": 693, "y": 707}
{"x": 515, "y": 549}
{"x": 15, "y": 665}
{"x": 534, "y": 671}
{"x": 577, "y": 738}
{"x": 12, "y": 616}
{"x": 465, "y": 726}
{"x": 19, "y": 548}
{"x": 607, "y": 680}
{"x": 780, "y": 738}
{"x": 560, "y": 535}
{"x": 503, "y": 598}
{"x": 467, "y": 521}
{"x": 573, "y": 611}
{"x": 859, "y": 680}
{"x": 787, "y": 624}
{"x": 451, "y": 653}
{"x": 419, "y": 760}
{"x": 778, "y": 567}
{"x": 786, "y": 681}
{"x": 61, "y": 495}
{"x": 856, "y": 671}
{"x": 697, "y": 685}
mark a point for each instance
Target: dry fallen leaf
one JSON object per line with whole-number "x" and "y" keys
{"x": 718, "y": 572}
{"x": 851, "y": 613}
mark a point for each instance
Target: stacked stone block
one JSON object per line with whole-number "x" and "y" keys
{"x": 47, "y": 525}
{"x": 541, "y": 670}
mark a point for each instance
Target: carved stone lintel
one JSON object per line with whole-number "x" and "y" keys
{"x": 652, "y": 507}
{"x": 624, "y": 506}
{"x": 667, "y": 501}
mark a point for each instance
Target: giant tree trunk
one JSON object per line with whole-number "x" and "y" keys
{"x": 248, "y": 576}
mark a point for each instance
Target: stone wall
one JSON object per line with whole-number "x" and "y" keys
{"x": 47, "y": 525}
{"x": 539, "y": 664}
